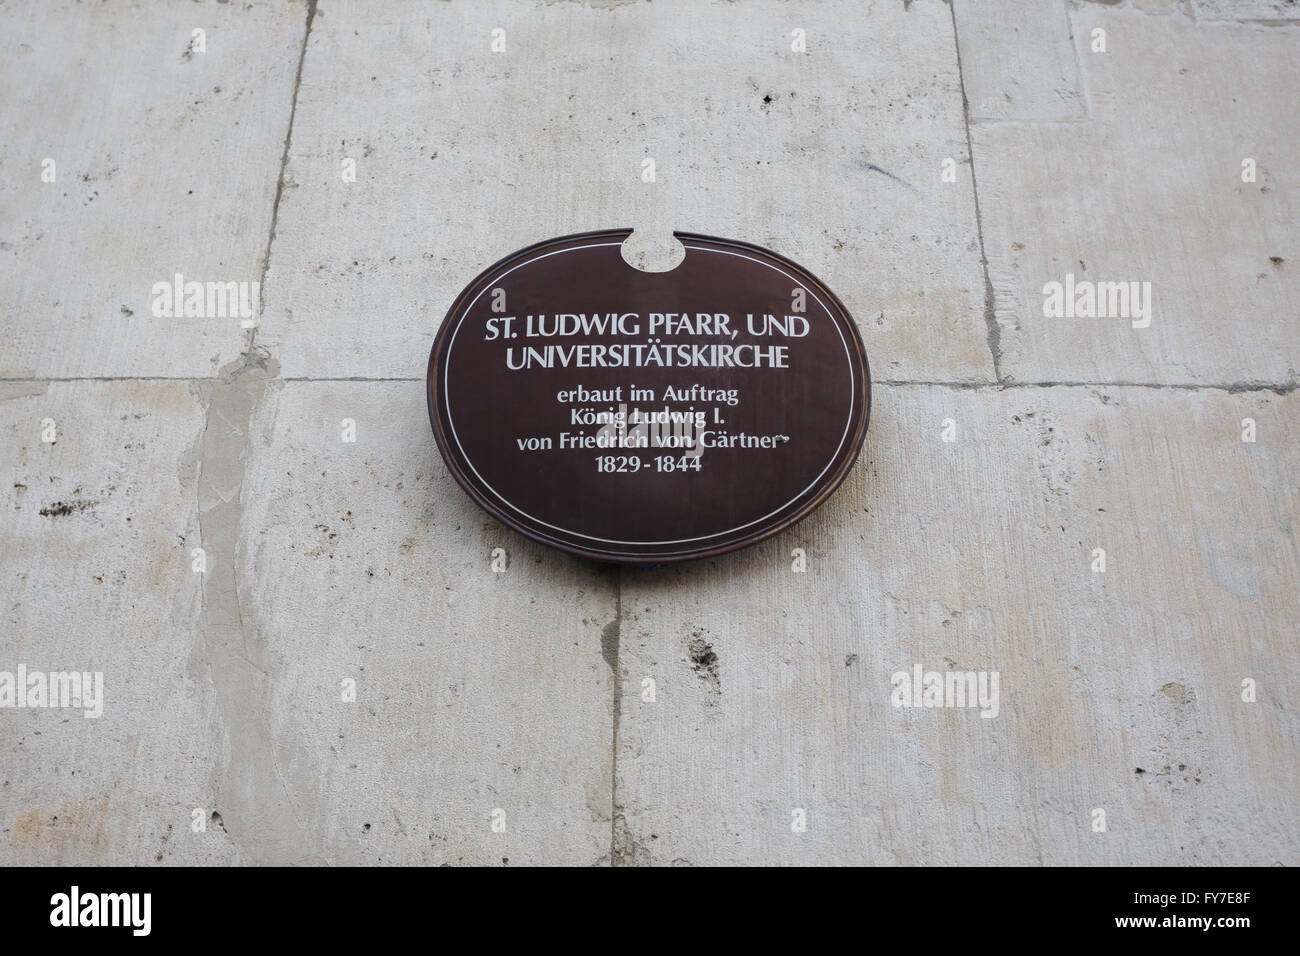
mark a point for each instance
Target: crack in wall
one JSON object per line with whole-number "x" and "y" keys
{"x": 279, "y": 183}
{"x": 610, "y": 638}
{"x": 993, "y": 333}
{"x": 259, "y": 810}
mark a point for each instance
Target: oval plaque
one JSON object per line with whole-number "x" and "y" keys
{"x": 648, "y": 417}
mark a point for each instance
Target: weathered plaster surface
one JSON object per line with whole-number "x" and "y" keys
{"x": 316, "y": 649}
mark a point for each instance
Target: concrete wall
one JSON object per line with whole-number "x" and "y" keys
{"x": 936, "y": 164}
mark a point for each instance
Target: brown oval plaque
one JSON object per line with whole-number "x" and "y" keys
{"x": 648, "y": 417}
